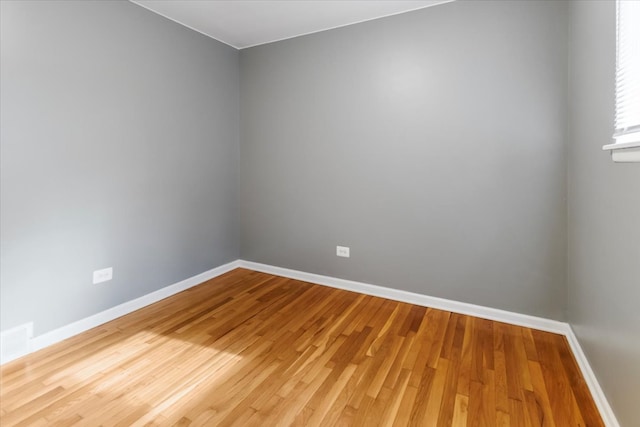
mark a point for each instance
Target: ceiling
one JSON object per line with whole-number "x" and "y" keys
{"x": 245, "y": 23}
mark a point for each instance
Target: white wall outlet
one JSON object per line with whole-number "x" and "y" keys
{"x": 342, "y": 251}
{"x": 103, "y": 275}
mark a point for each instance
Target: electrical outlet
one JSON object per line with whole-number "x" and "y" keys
{"x": 103, "y": 275}
{"x": 342, "y": 251}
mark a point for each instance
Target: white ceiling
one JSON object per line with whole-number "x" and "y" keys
{"x": 246, "y": 23}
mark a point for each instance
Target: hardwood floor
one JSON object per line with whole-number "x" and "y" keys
{"x": 251, "y": 349}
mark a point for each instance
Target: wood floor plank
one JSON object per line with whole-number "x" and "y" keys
{"x": 460, "y": 410}
{"x": 252, "y": 349}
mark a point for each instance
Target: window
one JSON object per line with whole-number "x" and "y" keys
{"x": 627, "y": 114}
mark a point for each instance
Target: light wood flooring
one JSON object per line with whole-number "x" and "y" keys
{"x": 251, "y": 349}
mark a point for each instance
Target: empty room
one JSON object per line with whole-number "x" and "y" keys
{"x": 320, "y": 213}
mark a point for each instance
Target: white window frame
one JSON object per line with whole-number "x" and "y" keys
{"x": 627, "y": 114}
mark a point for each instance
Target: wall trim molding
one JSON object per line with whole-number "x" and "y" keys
{"x": 49, "y": 338}
{"x": 484, "y": 312}
{"x": 489, "y": 313}
{"x": 555, "y": 326}
{"x": 606, "y": 411}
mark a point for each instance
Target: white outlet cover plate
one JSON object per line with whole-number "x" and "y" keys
{"x": 103, "y": 275}
{"x": 342, "y": 251}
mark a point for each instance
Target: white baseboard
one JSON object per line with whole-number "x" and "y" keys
{"x": 608, "y": 416}
{"x": 489, "y": 313}
{"x": 75, "y": 328}
{"x": 414, "y": 298}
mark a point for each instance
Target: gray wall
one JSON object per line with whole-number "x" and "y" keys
{"x": 432, "y": 143}
{"x": 119, "y": 148}
{"x": 604, "y": 217}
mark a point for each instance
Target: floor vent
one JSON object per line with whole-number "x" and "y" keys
{"x": 15, "y": 342}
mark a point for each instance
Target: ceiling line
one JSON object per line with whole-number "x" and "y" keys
{"x": 350, "y": 23}
{"x": 288, "y": 37}
{"x": 184, "y": 25}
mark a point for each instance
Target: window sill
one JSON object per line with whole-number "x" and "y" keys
{"x": 627, "y": 152}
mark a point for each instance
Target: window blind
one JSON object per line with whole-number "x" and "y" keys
{"x": 627, "y": 114}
